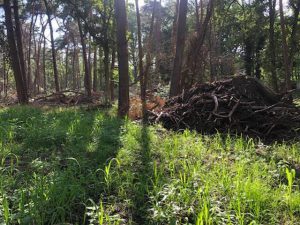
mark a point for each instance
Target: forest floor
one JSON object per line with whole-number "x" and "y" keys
{"x": 81, "y": 166}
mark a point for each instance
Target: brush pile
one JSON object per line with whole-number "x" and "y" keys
{"x": 67, "y": 97}
{"x": 239, "y": 105}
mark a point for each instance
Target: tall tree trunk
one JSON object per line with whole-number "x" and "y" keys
{"x": 44, "y": 64}
{"x": 78, "y": 69}
{"x": 194, "y": 60}
{"x": 157, "y": 42}
{"x": 54, "y": 61}
{"x": 90, "y": 60}
{"x": 197, "y": 17}
{"x": 15, "y": 60}
{"x": 37, "y": 81}
{"x": 74, "y": 85}
{"x": 141, "y": 55}
{"x": 149, "y": 47}
{"x": 201, "y": 11}
{"x": 5, "y": 78}
{"x": 294, "y": 38}
{"x": 272, "y": 15}
{"x": 112, "y": 68}
{"x": 19, "y": 35}
{"x": 87, "y": 78}
{"x": 95, "y": 72}
{"x": 174, "y": 30}
{"x": 38, "y": 66}
{"x": 181, "y": 29}
{"x": 106, "y": 70}
{"x": 67, "y": 67}
{"x": 205, "y": 24}
{"x": 101, "y": 64}
{"x": 121, "y": 21}
{"x": 31, "y": 34}
{"x": 106, "y": 50}
{"x": 285, "y": 48}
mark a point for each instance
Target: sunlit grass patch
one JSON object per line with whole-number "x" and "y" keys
{"x": 89, "y": 167}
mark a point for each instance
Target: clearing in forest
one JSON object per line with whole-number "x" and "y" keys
{"x": 81, "y": 166}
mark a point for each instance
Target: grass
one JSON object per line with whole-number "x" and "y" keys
{"x": 76, "y": 166}
{"x": 296, "y": 96}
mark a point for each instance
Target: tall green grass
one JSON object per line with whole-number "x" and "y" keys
{"x": 88, "y": 167}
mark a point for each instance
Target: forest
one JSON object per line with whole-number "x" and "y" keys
{"x": 149, "y": 112}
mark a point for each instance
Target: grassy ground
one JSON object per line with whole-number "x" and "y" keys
{"x": 297, "y": 97}
{"x": 88, "y": 167}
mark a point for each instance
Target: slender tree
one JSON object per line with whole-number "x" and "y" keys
{"x": 95, "y": 71}
{"x": 54, "y": 60}
{"x": 140, "y": 55}
{"x": 67, "y": 66}
{"x": 112, "y": 68}
{"x": 178, "y": 60}
{"x": 272, "y": 16}
{"x": 122, "y": 46}
{"x": 18, "y": 31}
{"x": 87, "y": 77}
{"x": 14, "y": 52}
{"x": 31, "y": 35}
{"x": 285, "y": 48}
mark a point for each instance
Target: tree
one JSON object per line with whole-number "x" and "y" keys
{"x": 87, "y": 77}
{"x": 272, "y": 16}
{"x": 140, "y": 55}
{"x": 15, "y": 50}
{"x": 284, "y": 48}
{"x": 95, "y": 72}
{"x": 295, "y": 4}
{"x": 122, "y": 46}
{"x": 54, "y": 60}
{"x": 176, "y": 78}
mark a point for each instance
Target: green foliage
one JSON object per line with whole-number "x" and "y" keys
{"x": 87, "y": 167}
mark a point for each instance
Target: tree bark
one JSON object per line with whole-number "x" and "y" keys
{"x": 294, "y": 38}
{"x": 141, "y": 55}
{"x": 181, "y": 29}
{"x": 100, "y": 54}
{"x": 74, "y": 71}
{"x": 15, "y": 60}
{"x": 18, "y": 31}
{"x": 174, "y": 30}
{"x": 272, "y": 15}
{"x": 158, "y": 43}
{"x": 149, "y": 51}
{"x": 106, "y": 70}
{"x": 67, "y": 67}
{"x": 5, "y": 78}
{"x": 44, "y": 64}
{"x": 31, "y": 34}
{"x": 285, "y": 48}
{"x": 121, "y": 21}
{"x": 54, "y": 61}
{"x": 87, "y": 78}
{"x": 38, "y": 66}
{"x": 95, "y": 71}
{"x": 112, "y": 67}
{"x": 197, "y": 16}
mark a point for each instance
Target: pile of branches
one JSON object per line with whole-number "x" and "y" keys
{"x": 238, "y": 105}
{"x": 68, "y": 97}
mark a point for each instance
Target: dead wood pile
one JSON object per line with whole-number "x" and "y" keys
{"x": 67, "y": 97}
{"x": 238, "y": 105}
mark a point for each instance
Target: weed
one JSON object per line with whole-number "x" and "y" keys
{"x": 89, "y": 167}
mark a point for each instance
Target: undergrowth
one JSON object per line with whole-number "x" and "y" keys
{"x": 76, "y": 166}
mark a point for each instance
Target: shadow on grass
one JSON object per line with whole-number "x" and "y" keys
{"x": 145, "y": 174}
{"x": 63, "y": 150}
{"x": 85, "y": 181}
